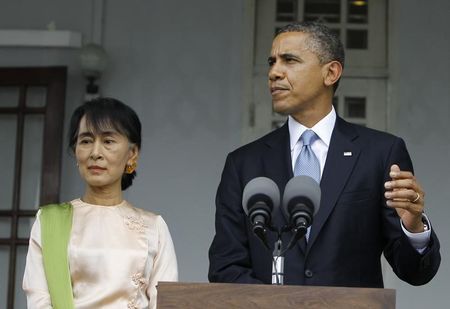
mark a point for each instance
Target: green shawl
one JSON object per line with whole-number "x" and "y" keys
{"x": 56, "y": 224}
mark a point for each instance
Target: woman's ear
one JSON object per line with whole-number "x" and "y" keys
{"x": 133, "y": 154}
{"x": 332, "y": 72}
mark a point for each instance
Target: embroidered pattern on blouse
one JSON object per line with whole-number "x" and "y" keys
{"x": 135, "y": 223}
{"x": 139, "y": 281}
{"x": 132, "y": 305}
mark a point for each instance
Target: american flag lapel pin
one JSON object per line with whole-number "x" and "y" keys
{"x": 347, "y": 153}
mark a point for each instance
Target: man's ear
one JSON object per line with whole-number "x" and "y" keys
{"x": 332, "y": 71}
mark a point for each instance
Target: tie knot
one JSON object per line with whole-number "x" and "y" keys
{"x": 308, "y": 137}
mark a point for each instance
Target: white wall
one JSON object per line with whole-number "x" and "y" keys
{"x": 178, "y": 64}
{"x": 420, "y": 106}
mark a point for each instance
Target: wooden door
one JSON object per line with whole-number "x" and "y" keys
{"x": 31, "y": 126}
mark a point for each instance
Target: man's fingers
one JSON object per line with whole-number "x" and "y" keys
{"x": 406, "y": 205}
{"x": 401, "y": 175}
{"x": 407, "y": 195}
{"x": 404, "y": 184}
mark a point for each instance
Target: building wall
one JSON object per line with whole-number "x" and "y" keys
{"x": 419, "y": 103}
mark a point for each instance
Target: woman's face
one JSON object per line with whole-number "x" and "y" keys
{"x": 102, "y": 156}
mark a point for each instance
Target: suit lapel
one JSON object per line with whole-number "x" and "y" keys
{"x": 341, "y": 158}
{"x": 277, "y": 158}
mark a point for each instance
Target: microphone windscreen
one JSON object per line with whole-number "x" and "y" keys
{"x": 260, "y": 186}
{"x": 301, "y": 187}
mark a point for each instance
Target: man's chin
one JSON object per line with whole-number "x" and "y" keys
{"x": 279, "y": 110}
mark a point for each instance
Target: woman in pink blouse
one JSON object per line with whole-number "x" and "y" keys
{"x": 116, "y": 253}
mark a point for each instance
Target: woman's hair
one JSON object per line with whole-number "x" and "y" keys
{"x": 102, "y": 114}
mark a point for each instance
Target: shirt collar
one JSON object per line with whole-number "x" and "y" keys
{"x": 323, "y": 129}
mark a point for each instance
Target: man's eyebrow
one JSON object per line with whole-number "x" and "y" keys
{"x": 289, "y": 56}
{"x": 284, "y": 56}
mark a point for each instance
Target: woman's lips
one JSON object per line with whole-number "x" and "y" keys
{"x": 96, "y": 169}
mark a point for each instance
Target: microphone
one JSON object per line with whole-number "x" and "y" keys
{"x": 259, "y": 198}
{"x": 301, "y": 201}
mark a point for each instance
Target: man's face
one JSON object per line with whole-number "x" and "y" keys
{"x": 296, "y": 76}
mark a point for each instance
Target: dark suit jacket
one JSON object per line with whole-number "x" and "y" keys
{"x": 350, "y": 231}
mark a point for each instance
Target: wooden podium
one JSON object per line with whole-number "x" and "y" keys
{"x": 226, "y": 295}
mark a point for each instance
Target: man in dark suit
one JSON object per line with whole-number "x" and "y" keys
{"x": 371, "y": 202}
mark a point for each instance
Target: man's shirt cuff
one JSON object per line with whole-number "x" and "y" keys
{"x": 419, "y": 240}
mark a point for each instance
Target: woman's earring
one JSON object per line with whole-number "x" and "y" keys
{"x": 130, "y": 168}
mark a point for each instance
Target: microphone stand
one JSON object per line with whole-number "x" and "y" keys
{"x": 278, "y": 250}
{"x": 278, "y": 262}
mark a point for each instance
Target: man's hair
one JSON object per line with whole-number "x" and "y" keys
{"x": 322, "y": 41}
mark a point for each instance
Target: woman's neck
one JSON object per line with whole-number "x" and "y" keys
{"x": 102, "y": 196}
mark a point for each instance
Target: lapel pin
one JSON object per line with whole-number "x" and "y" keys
{"x": 347, "y": 153}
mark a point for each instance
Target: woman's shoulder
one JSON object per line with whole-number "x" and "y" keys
{"x": 63, "y": 205}
{"x": 54, "y": 210}
{"x": 141, "y": 211}
{"x": 147, "y": 215}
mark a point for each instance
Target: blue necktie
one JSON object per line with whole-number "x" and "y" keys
{"x": 307, "y": 163}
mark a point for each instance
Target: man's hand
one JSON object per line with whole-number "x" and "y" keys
{"x": 405, "y": 194}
